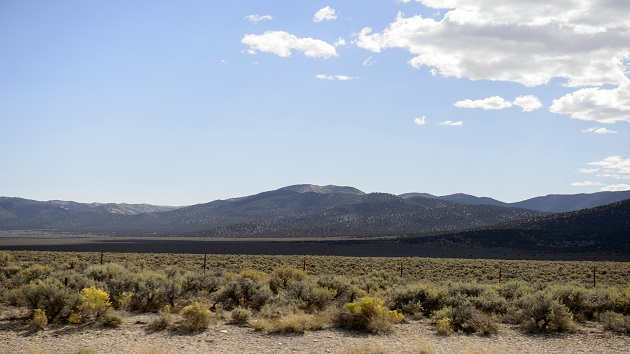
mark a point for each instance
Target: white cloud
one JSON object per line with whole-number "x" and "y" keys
{"x": 615, "y": 165}
{"x": 587, "y": 170}
{"x": 596, "y": 104}
{"x": 527, "y": 103}
{"x": 335, "y": 77}
{"x": 339, "y": 42}
{"x": 615, "y": 188}
{"x": 282, "y": 43}
{"x": 369, "y": 61}
{"x": 420, "y": 120}
{"x": 529, "y": 42}
{"x": 255, "y": 18}
{"x": 451, "y": 123}
{"x": 325, "y": 14}
{"x": 599, "y": 131}
{"x": 494, "y": 102}
{"x": 586, "y": 184}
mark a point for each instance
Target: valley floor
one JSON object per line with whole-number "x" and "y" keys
{"x": 133, "y": 337}
{"x": 324, "y": 246}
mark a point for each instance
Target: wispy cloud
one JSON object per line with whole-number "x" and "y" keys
{"x": 369, "y": 61}
{"x": 335, "y": 77}
{"x": 451, "y": 123}
{"x": 616, "y": 188}
{"x": 614, "y": 165}
{"x": 601, "y": 130}
{"x": 325, "y": 14}
{"x": 586, "y": 184}
{"x": 255, "y": 18}
{"x": 587, "y": 170}
{"x": 282, "y": 43}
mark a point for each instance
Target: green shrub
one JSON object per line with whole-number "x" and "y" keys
{"x": 195, "y": 282}
{"x": 283, "y": 276}
{"x": 621, "y": 300}
{"x": 576, "y": 298}
{"x": 36, "y": 272}
{"x": 243, "y": 291}
{"x": 615, "y": 322}
{"x": 514, "y": 290}
{"x": 376, "y": 280}
{"x": 490, "y": 303}
{"x": 163, "y": 322}
{"x": 418, "y": 298}
{"x": 241, "y": 315}
{"x": 341, "y": 288}
{"x": 542, "y": 313}
{"x": 49, "y": 295}
{"x": 106, "y": 272}
{"x": 6, "y": 259}
{"x": 466, "y": 319}
{"x": 195, "y": 317}
{"x": 111, "y": 318}
{"x": 149, "y": 291}
{"x": 368, "y": 314}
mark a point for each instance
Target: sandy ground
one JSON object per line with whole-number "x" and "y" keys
{"x": 16, "y": 336}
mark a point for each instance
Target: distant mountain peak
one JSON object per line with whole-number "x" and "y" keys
{"x": 329, "y": 189}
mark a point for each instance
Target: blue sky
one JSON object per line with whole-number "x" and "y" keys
{"x": 185, "y": 102}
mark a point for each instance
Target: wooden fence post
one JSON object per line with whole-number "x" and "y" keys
{"x": 101, "y": 257}
{"x": 205, "y": 262}
{"x": 401, "y": 269}
{"x": 304, "y": 265}
{"x": 594, "y": 276}
{"x": 499, "y": 275}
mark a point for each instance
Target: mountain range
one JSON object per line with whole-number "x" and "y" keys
{"x": 415, "y": 221}
{"x": 553, "y": 203}
{"x": 294, "y": 211}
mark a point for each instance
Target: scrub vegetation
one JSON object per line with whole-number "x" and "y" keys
{"x": 285, "y": 294}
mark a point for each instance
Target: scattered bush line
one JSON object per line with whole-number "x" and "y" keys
{"x": 295, "y": 294}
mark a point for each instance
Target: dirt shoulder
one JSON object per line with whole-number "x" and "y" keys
{"x": 133, "y": 337}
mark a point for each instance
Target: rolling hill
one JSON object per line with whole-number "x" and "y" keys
{"x": 601, "y": 229}
{"x": 552, "y": 203}
{"x": 291, "y": 211}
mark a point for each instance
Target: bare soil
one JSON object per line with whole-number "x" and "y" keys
{"x": 133, "y": 336}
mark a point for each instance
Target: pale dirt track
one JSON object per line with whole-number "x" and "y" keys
{"x": 133, "y": 337}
